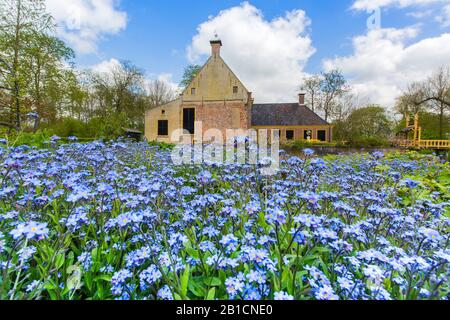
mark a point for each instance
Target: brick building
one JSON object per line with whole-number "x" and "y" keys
{"x": 218, "y": 99}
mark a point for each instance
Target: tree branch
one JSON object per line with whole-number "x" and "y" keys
{"x": 5, "y": 88}
{"x": 433, "y": 99}
{"x": 5, "y": 124}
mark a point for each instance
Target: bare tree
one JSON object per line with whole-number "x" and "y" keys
{"x": 439, "y": 88}
{"x": 407, "y": 103}
{"x": 159, "y": 93}
{"x": 435, "y": 88}
{"x": 432, "y": 94}
{"x": 333, "y": 87}
{"x": 312, "y": 88}
{"x": 348, "y": 103}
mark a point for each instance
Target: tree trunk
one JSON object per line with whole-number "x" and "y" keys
{"x": 15, "y": 66}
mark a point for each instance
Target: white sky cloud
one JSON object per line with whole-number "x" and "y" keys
{"x": 268, "y": 56}
{"x": 373, "y": 4}
{"x": 82, "y": 23}
{"x": 167, "y": 78}
{"x": 444, "y": 17}
{"x": 105, "y": 66}
{"x": 420, "y": 14}
{"x": 384, "y": 62}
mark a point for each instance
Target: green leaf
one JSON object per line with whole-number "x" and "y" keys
{"x": 177, "y": 297}
{"x": 213, "y": 282}
{"x": 70, "y": 258}
{"x": 103, "y": 277}
{"x": 74, "y": 280}
{"x": 60, "y": 259}
{"x": 192, "y": 252}
{"x": 50, "y": 285}
{"x": 88, "y": 280}
{"x": 197, "y": 288}
{"x": 211, "y": 294}
{"x": 184, "y": 281}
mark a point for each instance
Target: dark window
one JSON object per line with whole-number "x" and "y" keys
{"x": 235, "y": 89}
{"x": 163, "y": 128}
{"x": 193, "y": 91}
{"x": 308, "y": 135}
{"x": 290, "y": 135}
{"x": 189, "y": 120}
{"x": 322, "y": 135}
{"x": 163, "y": 112}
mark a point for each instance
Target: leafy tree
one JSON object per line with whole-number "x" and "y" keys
{"x": 369, "y": 122}
{"x": 190, "y": 72}
{"x": 20, "y": 22}
{"x": 47, "y": 86}
{"x": 120, "y": 91}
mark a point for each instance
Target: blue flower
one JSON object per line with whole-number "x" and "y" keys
{"x": 19, "y": 231}
{"x": 326, "y": 293}
{"x": 118, "y": 281}
{"x": 230, "y": 242}
{"x": 409, "y": 183}
{"x": 33, "y": 286}
{"x": 281, "y": 295}
{"x": 378, "y": 155}
{"x": 31, "y": 230}
{"x": 86, "y": 260}
{"x": 430, "y": 234}
{"x": 256, "y": 277}
{"x": 346, "y": 284}
{"x": 235, "y": 285}
{"x": 374, "y": 273}
{"x": 26, "y": 253}
{"x": 164, "y": 293}
{"x": 149, "y": 277}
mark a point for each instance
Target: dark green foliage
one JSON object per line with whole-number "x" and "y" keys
{"x": 371, "y": 142}
{"x": 367, "y": 126}
{"x": 37, "y": 139}
{"x": 430, "y": 124}
{"x": 161, "y": 145}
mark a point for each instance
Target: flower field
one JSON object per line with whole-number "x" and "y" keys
{"x": 119, "y": 221}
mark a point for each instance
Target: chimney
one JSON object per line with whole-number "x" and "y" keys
{"x": 301, "y": 99}
{"x": 215, "y": 47}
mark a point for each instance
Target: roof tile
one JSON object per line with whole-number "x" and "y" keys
{"x": 285, "y": 114}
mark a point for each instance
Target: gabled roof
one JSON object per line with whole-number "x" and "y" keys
{"x": 285, "y": 114}
{"x": 211, "y": 60}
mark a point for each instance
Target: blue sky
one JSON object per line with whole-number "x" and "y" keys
{"x": 156, "y": 35}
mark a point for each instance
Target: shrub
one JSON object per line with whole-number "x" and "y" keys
{"x": 372, "y": 142}
{"x": 37, "y": 139}
{"x": 161, "y": 145}
{"x": 70, "y": 127}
